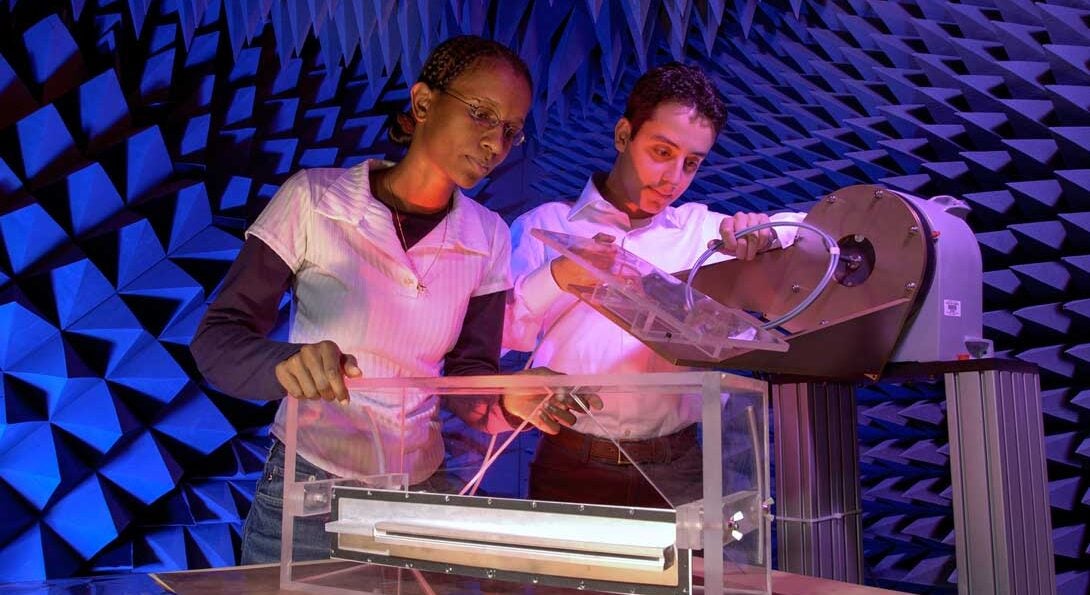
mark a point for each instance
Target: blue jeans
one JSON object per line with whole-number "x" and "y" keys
{"x": 261, "y": 532}
{"x": 262, "y": 529}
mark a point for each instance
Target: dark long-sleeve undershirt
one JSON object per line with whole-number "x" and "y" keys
{"x": 234, "y": 353}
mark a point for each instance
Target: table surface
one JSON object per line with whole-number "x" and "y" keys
{"x": 264, "y": 579}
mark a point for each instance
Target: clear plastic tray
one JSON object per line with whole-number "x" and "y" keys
{"x": 651, "y": 304}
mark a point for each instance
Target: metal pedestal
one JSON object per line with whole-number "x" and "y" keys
{"x": 818, "y": 525}
{"x": 1003, "y": 528}
{"x": 1002, "y": 525}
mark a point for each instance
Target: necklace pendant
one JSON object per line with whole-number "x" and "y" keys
{"x": 421, "y": 289}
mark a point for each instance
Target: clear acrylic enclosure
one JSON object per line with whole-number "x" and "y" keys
{"x": 433, "y": 496}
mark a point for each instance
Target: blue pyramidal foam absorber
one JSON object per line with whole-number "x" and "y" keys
{"x": 45, "y": 144}
{"x": 53, "y": 57}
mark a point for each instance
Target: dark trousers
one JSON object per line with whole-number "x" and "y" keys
{"x": 560, "y": 473}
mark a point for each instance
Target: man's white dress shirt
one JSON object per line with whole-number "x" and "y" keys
{"x": 577, "y": 339}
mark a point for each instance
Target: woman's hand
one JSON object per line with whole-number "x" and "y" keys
{"x": 317, "y": 371}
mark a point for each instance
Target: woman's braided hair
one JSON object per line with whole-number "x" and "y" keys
{"x": 447, "y": 62}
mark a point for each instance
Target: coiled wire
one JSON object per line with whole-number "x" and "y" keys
{"x": 830, "y": 270}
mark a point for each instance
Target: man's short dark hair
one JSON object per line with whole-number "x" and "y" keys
{"x": 675, "y": 83}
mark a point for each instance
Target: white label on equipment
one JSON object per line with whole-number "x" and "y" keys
{"x": 951, "y": 308}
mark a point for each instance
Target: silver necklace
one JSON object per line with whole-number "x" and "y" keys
{"x": 421, "y": 288}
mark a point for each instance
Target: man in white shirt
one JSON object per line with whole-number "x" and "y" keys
{"x": 670, "y": 124}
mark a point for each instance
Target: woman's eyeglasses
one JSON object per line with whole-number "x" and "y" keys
{"x": 489, "y": 120}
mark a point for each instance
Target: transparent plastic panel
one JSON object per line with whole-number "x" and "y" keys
{"x": 652, "y": 304}
{"x": 448, "y": 508}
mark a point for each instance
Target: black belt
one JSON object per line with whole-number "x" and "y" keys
{"x": 663, "y": 449}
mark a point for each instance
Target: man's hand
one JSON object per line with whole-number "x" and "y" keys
{"x": 601, "y": 254}
{"x": 318, "y": 372}
{"x": 748, "y": 246}
{"x": 548, "y": 412}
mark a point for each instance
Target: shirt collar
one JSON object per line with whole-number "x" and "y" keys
{"x": 349, "y": 199}
{"x": 591, "y": 204}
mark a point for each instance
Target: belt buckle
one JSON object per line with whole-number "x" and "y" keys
{"x": 621, "y": 460}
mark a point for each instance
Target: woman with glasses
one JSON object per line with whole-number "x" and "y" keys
{"x": 394, "y": 273}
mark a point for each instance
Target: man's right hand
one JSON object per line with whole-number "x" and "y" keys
{"x": 317, "y": 371}
{"x": 601, "y": 254}
{"x": 558, "y": 409}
